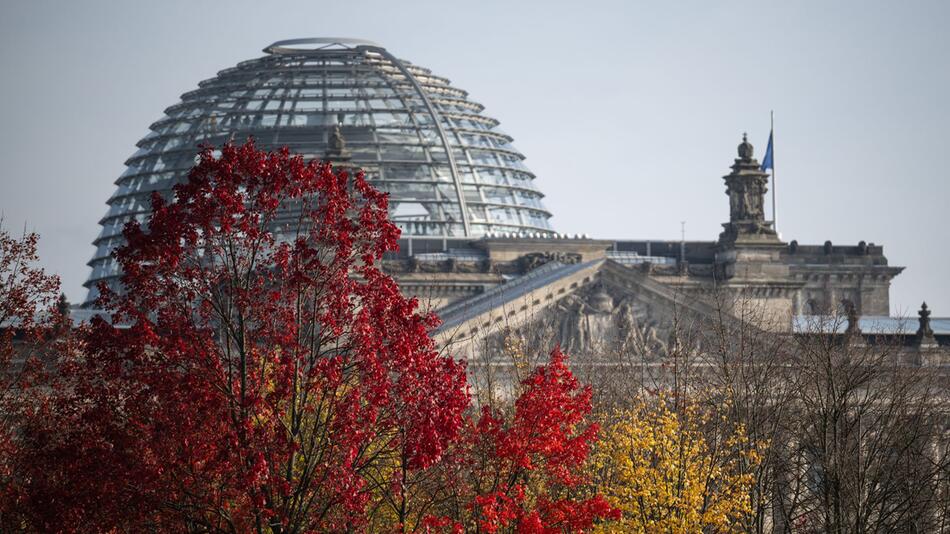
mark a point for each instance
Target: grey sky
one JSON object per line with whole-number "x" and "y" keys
{"x": 628, "y": 112}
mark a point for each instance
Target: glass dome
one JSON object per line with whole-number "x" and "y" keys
{"x": 448, "y": 168}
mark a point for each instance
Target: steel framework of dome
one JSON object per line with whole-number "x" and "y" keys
{"x": 450, "y": 172}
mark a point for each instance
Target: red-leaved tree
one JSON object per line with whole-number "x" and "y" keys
{"x": 541, "y": 451}
{"x": 257, "y": 365}
{"x": 28, "y": 318}
{"x": 260, "y": 373}
{"x": 525, "y": 472}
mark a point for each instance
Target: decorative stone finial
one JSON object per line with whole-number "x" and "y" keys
{"x": 925, "y": 334}
{"x": 924, "y": 329}
{"x": 745, "y": 148}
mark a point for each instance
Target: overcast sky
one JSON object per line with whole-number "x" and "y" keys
{"x": 628, "y": 112}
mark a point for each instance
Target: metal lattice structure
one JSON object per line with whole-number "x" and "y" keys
{"x": 450, "y": 172}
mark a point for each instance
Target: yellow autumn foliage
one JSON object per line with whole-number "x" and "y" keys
{"x": 669, "y": 470}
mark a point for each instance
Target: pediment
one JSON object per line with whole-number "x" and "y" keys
{"x": 586, "y": 307}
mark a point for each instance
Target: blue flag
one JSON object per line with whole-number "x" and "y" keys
{"x": 767, "y": 160}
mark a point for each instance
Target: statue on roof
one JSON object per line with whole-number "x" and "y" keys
{"x": 925, "y": 334}
{"x": 851, "y": 312}
{"x": 924, "y": 321}
{"x": 336, "y": 143}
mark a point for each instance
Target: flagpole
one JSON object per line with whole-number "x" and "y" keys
{"x": 772, "y": 137}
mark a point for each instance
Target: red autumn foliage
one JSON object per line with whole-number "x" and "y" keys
{"x": 27, "y": 315}
{"x": 254, "y": 382}
{"x": 526, "y": 473}
{"x": 518, "y": 471}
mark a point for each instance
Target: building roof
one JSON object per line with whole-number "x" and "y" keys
{"x": 502, "y": 295}
{"x": 880, "y": 325}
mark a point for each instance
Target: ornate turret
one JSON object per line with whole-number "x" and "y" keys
{"x": 749, "y": 249}
{"x": 746, "y": 186}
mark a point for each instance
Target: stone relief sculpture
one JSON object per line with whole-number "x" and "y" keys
{"x": 536, "y": 259}
{"x": 746, "y": 210}
{"x": 745, "y": 197}
{"x": 574, "y": 329}
{"x": 638, "y": 331}
{"x": 592, "y": 323}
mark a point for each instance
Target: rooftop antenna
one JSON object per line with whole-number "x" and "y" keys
{"x": 682, "y": 241}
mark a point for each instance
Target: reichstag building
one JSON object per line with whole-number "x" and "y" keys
{"x": 477, "y": 243}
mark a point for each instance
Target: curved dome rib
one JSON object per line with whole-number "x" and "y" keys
{"x": 450, "y": 172}
{"x": 437, "y": 119}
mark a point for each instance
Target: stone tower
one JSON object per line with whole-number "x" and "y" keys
{"x": 746, "y": 186}
{"x": 748, "y": 258}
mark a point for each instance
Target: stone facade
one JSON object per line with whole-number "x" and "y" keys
{"x": 590, "y": 290}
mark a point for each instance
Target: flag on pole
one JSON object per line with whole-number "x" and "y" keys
{"x": 767, "y": 160}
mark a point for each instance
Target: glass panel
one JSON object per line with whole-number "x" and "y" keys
{"x": 390, "y": 131}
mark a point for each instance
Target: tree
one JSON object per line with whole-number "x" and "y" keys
{"x": 27, "y": 317}
{"x": 663, "y": 467}
{"x": 850, "y": 427}
{"x": 249, "y": 379}
{"x": 259, "y": 373}
{"x": 525, "y": 471}
{"x": 749, "y": 374}
{"x": 869, "y": 452}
